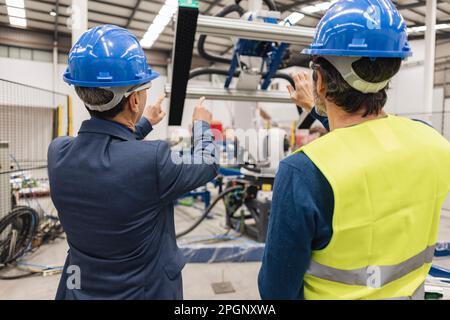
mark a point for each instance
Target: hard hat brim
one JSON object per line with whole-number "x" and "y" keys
{"x": 356, "y": 53}
{"x": 151, "y": 76}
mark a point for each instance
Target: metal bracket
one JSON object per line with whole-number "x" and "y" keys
{"x": 251, "y": 30}
{"x": 196, "y": 92}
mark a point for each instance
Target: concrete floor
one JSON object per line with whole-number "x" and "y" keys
{"x": 197, "y": 277}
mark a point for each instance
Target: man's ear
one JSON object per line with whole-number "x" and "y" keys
{"x": 320, "y": 85}
{"x": 133, "y": 102}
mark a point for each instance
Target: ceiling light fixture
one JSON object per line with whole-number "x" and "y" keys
{"x": 16, "y": 12}
{"x": 159, "y": 23}
{"x": 292, "y": 19}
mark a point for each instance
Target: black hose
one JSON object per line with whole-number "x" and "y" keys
{"x": 25, "y": 220}
{"x": 201, "y": 41}
{"x": 208, "y": 71}
{"x": 271, "y": 4}
{"x": 208, "y": 210}
{"x": 288, "y": 78}
{"x": 284, "y": 76}
{"x": 252, "y": 169}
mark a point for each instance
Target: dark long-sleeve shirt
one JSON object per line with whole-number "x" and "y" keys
{"x": 300, "y": 222}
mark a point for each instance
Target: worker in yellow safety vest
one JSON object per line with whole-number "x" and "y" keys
{"x": 355, "y": 214}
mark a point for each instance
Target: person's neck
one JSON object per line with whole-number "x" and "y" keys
{"x": 125, "y": 121}
{"x": 338, "y": 118}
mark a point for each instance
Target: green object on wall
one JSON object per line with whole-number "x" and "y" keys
{"x": 188, "y": 3}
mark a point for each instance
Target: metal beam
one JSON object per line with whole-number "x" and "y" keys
{"x": 225, "y": 27}
{"x": 211, "y": 6}
{"x": 430, "y": 48}
{"x": 50, "y": 23}
{"x": 133, "y": 13}
{"x": 196, "y": 92}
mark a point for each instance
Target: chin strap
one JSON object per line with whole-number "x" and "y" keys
{"x": 119, "y": 94}
{"x": 345, "y": 67}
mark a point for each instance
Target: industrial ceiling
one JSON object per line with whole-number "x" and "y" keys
{"x": 51, "y": 16}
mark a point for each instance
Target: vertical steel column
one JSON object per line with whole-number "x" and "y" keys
{"x": 430, "y": 48}
{"x": 79, "y": 16}
{"x": 78, "y": 25}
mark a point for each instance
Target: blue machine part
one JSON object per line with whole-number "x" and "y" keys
{"x": 442, "y": 249}
{"x": 230, "y": 172}
{"x": 440, "y": 272}
{"x": 271, "y": 53}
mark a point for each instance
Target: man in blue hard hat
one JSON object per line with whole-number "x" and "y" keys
{"x": 355, "y": 214}
{"x": 113, "y": 191}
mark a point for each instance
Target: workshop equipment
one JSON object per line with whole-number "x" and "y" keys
{"x": 5, "y": 185}
{"x": 261, "y": 39}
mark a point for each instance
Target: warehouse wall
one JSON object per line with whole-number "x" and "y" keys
{"x": 40, "y": 74}
{"x": 405, "y": 95}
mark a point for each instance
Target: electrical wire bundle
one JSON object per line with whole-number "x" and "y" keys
{"x": 22, "y": 232}
{"x": 205, "y": 214}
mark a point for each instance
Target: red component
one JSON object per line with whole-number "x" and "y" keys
{"x": 217, "y": 128}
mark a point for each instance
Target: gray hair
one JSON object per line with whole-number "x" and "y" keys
{"x": 94, "y": 96}
{"x": 99, "y": 96}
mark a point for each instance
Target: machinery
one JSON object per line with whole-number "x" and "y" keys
{"x": 261, "y": 49}
{"x": 22, "y": 228}
{"x": 246, "y": 188}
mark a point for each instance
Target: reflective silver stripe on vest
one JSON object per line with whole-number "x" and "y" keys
{"x": 419, "y": 294}
{"x": 364, "y": 276}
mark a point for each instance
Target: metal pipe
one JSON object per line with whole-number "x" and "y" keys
{"x": 196, "y": 92}
{"x": 430, "y": 47}
{"x": 226, "y": 27}
{"x": 55, "y": 52}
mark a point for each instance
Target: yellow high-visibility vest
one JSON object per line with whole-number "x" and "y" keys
{"x": 389, "y": 177}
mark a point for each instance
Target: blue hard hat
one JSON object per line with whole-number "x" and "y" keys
{"x": 361, "y": 28}
{"x": 108, "y": 56}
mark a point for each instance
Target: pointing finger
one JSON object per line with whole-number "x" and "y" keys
{"x": 201, "y": 100}
{"x": 297, "y": 81}
{"x": 291, "y": 89}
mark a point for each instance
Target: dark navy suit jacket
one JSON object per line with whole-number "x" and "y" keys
{"x": 115, "y": 197}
